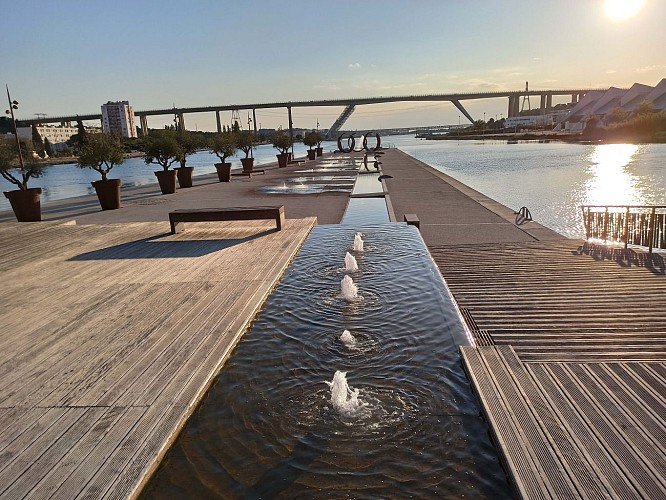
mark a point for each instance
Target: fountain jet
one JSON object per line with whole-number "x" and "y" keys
{"x": 349, "y": 289}
{"x": 350, "y": 263}
{"x": 358, "y": 243}
{"x": 344, "y": 398}
{"x": 348, "y": 339}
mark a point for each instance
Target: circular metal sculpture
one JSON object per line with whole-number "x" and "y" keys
{"x": 351, "y": 144}
{"x": 365, "y": 141}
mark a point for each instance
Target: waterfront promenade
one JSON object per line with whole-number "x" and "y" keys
{"x": 112, "y": 328}
{"x": 104, "y": 354}
{"x": 571, "y": 340}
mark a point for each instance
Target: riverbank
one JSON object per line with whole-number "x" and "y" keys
{"x": 518, "y": 136}
{"x": 66, "y": 160}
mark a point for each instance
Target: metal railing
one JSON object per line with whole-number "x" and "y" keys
{"x": 640, "y": 225}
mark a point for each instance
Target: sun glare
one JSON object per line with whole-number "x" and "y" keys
{"x": 619, "y": 10}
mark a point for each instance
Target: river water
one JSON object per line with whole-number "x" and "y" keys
{"x": 552, "y": 179}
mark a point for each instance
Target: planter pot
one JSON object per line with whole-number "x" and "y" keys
{"x": 26, "y": 204}
{"x": 108, "y": 193}
{"x": 282, "y": 160}
{"x": 320, "y": 151}
{"x": 167, "y": 180}
{"x": 248, "y": 164}
{"x": 311, "y": 154}
{"x": 223, "y": 171}
{"x": 184, "y": 175}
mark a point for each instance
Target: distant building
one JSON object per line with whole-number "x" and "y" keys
{"x": 118, "y": 119}
{"x": 57, "y": 136}
{"x": 533, "y": 121}
{"x": 599, "y": 103}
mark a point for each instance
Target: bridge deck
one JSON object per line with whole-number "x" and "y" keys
{"x": 110, "y": 336}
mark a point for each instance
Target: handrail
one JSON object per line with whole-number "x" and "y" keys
{"x": 640, "y": 225}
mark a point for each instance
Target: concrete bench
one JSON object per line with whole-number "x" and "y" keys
{"x": 413, "y": 220}
{"x": 177, "y": 218}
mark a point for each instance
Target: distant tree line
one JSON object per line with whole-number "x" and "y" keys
{"x": 646, "y": 124}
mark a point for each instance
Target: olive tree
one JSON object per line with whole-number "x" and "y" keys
{"x": 101, "y": 152}
{"x": 18, "y": 169}
{"x": 162, "y": 147}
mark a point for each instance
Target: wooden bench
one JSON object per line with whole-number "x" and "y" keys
{"x": 177, "y": 218}
{"x": 413, "y": 220}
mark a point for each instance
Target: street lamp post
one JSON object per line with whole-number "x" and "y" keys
{"x": 12, "y": 106}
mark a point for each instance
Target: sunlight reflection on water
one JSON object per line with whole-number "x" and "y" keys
{"x": 610, "y": 182}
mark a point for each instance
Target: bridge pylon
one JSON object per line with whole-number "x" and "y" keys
{"x": 337, "y": 124}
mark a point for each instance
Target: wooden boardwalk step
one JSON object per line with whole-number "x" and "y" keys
{"x": 574, "y": 430}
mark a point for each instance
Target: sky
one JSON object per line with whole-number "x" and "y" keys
{"x": 68, "y": 57}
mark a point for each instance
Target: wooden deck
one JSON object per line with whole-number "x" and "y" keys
{"x": 570, "y": 365}
{"x": 562, "y": 300}
{"x": 110, "y": 335}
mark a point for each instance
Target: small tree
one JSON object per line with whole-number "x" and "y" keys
{"x": 101, "y": 152}
{"x": 162, "y": 148}
{"x": 310, "y": 139}
{"x": 281, "y": 140}
{"x": 10, "y": 166}
{"x": 245, "y": 141}
{"x": 645, "y": 108}
{"x": 616, "y": 115}
{"x": 223, "y": 145}
{"x": 319, "y": 136}
{"x": 189, "y": 144}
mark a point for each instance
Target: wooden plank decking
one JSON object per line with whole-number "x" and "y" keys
{"x": 110, "y": 335}
{"x": 575, "y": 430}
{"x": 561, "y": 300}
{"x": 575, "y": 387}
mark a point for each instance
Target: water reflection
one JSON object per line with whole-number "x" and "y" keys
{"x": 610, "y": 181}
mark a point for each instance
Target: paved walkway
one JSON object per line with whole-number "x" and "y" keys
{"x": 146, "y": 203}
{"x": 450, "y": 212}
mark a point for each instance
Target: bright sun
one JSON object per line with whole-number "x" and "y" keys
{"x": 619, "y": 10}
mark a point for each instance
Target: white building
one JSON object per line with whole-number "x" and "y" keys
{"x": 532, "y": 121}
{"x": 57, "y": 136}
{"x": 118, "y": 119}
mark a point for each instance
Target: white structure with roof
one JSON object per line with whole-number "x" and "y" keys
{"x": 599, "y": 103}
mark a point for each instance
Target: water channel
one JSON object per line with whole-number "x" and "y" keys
{"x": 270, "y": 427}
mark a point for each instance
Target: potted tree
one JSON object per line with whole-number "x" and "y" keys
{"x": 244, "y": 142}
{"x": 310, "y": 140}
{"x": 102, "y": 152}
{"x": 189, "y": 144}
{"x": 161, "y": 147}
{"x": 223, "y": 145}
{"x": 26, "y": 202}
{"x": 282, "y": 142}
{"x": 319, "y": 149}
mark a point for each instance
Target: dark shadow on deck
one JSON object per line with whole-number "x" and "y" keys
{"x": 153, "y": 248}
{"x": 624, "y": 257}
